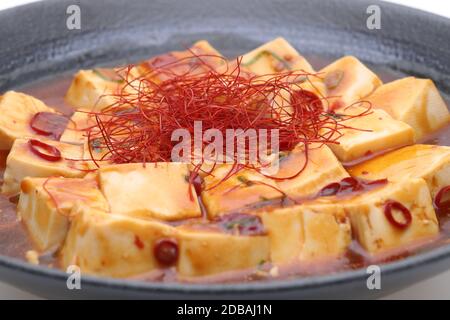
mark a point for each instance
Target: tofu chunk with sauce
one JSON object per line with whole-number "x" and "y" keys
{"x": 228, "y": 189}
{"x": 275, "y": 56}
{"x": 45, "y": 206}
{"x": 369, "y": 133}
{"x": 429, "y": 162}
{"x": 206, "y": 252}
{"x": 157, "y": 190}
{"x": 95, "y": 151}
{"x": 322, "y": 168}
{"x": 113, "y": 245}
{"x": 23, "y": 162}
{"x": 307, "y": 232}
{"x": 76, "y": 130}
{"x": 93, "y": 89}
{"x": 414, "y": 101}
{"x": 16, "y": 111}
{"x": 200, "y": 57}
{"x": 97, "y": 154}
{"x": 347, "y": 81}
{"x": 399, "y": 214}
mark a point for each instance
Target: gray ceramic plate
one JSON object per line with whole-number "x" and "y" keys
{"x": 37, "y": 44}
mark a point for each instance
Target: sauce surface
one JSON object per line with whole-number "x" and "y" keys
{"x": 14, "y": 241}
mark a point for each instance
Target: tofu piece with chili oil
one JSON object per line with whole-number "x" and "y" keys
{"x": 119, "y": 246}
{"x": 414, "y": 101}
{"x": 97, "y": 153}
{"x": 200, "y": 57}
{"x": 347, "y": 81}
{"x": 273, "y": 57}
{"x": 16, "y": 113}
{"x": 429, "y": 162}
{"x": 83, "y": 130}
{"x": 76, "y": 130}
{"x": 45, "y": 206}
{"x": 234, "y": 242}
{"x": 308, "y": 232}
{"x": 41, "y": 158}
{"x": 319, "y": 168}
{"x": 94, "y": 89}
{"x": 95, "y": 150}
{"x": 368, "y": 132}
{"x": 229, "y": 188}
{"x": 399, "y": 214}
{"x": 154, "y": 190}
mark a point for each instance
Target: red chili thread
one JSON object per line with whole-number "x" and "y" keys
{"x": 52, "y": 197}
{"x": 222, "y": 95}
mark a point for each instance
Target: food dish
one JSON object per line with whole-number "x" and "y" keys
{"x": 375, "y": 47}
{"x": 101, "y": 189}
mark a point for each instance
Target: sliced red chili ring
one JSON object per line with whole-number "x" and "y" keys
{"x": 440, "y": 195}
{"x": 390, "y": 206}
{"x": 330, "y": 190}
{"x": 350, "y": 183}
{"x": 166, "y": 251}
{"x": 52, "y": 153}
{"x": 49, "y": 124}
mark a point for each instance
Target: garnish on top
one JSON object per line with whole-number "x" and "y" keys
{"x": 175, "y": 93}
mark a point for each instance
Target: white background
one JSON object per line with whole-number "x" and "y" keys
{"x": 435, "y": 288}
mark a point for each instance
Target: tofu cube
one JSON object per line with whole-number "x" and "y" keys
{"x": 347, "y": 81}
{"x": 95, "y": 151}
{"x": 204, "y": 252}
{"x": 227, "y": 190}
{"x": 429, "y": 162}
{"x": 414, "y": 101}
{"x": 45, "y": 206}
{"x": 16, "y": 111}
{"x": 245, "y": 189}
{"x": 92, "y": 90}
{"x": 322, "y": 168}
{"x": 156, "y": 190}
{"x": 183, "y": 62}
{"x": 76, "y": 130}
{"x": 97, "y": 155}
{"x": 307, "y": 232}
{"x": 106, "y": 244}
{"x": 275, "y": 56}
{"x": 315, "y": 85}
{"x": 371, "y": 224}
{"x": 22, "y": 162}
{"x": 203, "y": 47}
{"x": 369, "y": 134}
